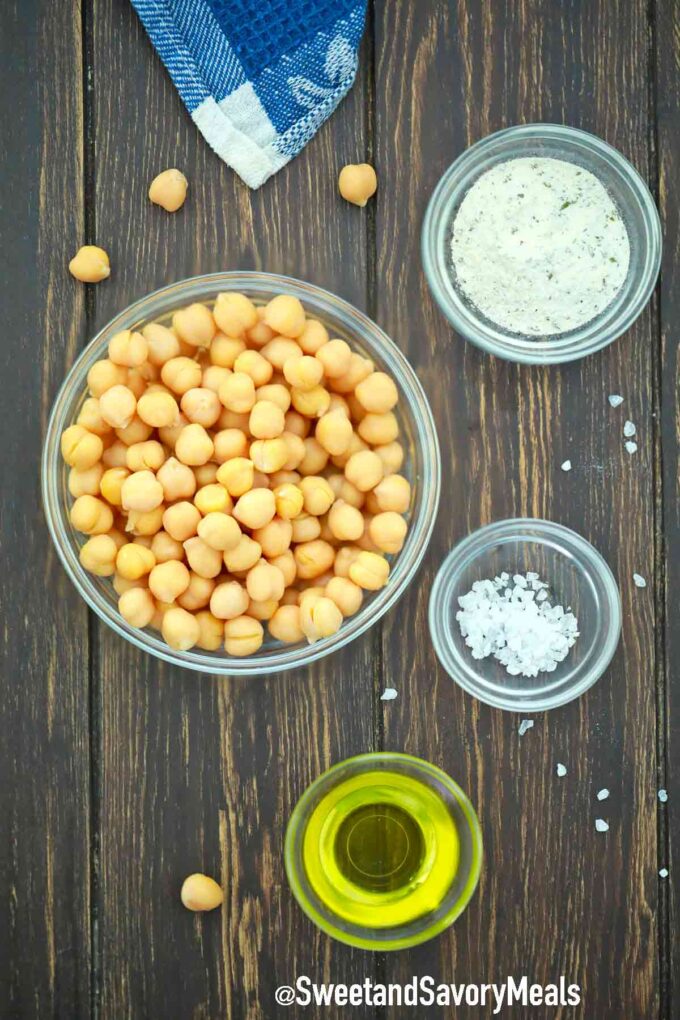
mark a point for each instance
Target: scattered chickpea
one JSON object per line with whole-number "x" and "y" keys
{"x": 90, "y": 264}
{"x": 289, "y": 501}
{"x": 335, "y": 358}
{"x": 377, "y": 393}
{"x": 274, "y": 538}
{"x": 379, "y": 429}
{"x": 169, "y": 190}
{"x": 165, "y": 547}
{"x": 357, "y": 183}
{"x": 145, "y": 522}
{"x": 229, "y": 444}
{"x": 312, "y": 402}
{"x": 224, "y": 350}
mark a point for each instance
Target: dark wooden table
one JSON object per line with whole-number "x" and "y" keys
{"x": 119, "y": 776}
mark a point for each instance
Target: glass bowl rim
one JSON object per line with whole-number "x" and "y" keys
{"x": 373, "y": 941}
{"x": 459, "y": 668}
{"x": 588, "y": 338}
{"x": 425, "y": 437}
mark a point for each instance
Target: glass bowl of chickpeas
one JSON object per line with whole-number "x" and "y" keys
{"x": 241, "y": 473}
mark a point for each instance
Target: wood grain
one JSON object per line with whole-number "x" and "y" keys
{"x": 556, "y": 897}
{"x": 44, "y": 750}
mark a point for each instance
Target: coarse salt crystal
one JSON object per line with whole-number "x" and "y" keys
{"x": 663, "y": 796}
{"x": 601, "y": 825}
{"x": 615, "y": 400}
{"x": 663, "y": 873}
{"x": 630, "y": 446}
{"x": 526, "y": 724}
{"x": 639, "y": 581}
{"x": 389, "y": 694}
{"x": 603, "y": 794}
{"x": 629, "y": 429}
{"x": 566, "y": 465}
{"x": 561, "y": 769}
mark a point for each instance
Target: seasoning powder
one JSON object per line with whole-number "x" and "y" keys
{"x": 514, "y": 620}
{"x": 539, "y": 247}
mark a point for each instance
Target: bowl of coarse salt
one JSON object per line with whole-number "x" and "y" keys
{"x": 525, "y": 615}
{"x": 541, "y": 244}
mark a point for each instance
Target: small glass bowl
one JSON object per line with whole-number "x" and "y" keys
{"x": 625, "y": 186}
{"x": 449, "y": 798}
{"x": 579, "y": 579}
{"x": 418, "y": 434}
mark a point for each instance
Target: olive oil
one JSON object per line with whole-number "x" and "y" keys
{"x": 381, "y": 849}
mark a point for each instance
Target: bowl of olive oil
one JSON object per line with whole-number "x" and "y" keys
{"x": 383, "y": 851}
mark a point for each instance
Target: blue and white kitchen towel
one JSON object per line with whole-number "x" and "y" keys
{"x": 258, "y": 77}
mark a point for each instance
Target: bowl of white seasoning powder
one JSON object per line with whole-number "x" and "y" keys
{"x": 525, "y": 615}
{"x": 541, "y": 244}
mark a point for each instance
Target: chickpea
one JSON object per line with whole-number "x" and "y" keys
{"x": 205, "y": 474}
{"x": 243, "y": 636}
{"x": 181, "y": 520}
{"x": 283, "y": 478}
{"x": 211, "y": 631}
{"x": 388, "y": 531}
{"x": 266, "y": 420}
{"x": 289, "y": 501}
{"x": 347, "y": 595}
{"x": 306, "y": 528}
{"x": 162, "y": 343}
{"x": 366, "y": 542}
{"x": 269, "y": 455}
{"x": 279, "y": 350}
{"x": 169, "y": 189}
{"x": 364, "y": 470}
{"x": 297, "y": 424}
{"x": 194, "y": 446}
{"x": 285, "y": 562}
{"x": 275, "y": 393}
{"x": 229, "y": 600}
{"x": 141, "y": 491}
{"x": 265, "y": 582}
{"x": 318, "y": 495}
{"x": 201, "y": 406}
{"x": 91, "y": 419}
{"x": 111, "y": 484}
{"x": 377, "y": 393}
{"x": 81, "y": 449}
{"x": 134, "y": 561}
{"x": 213, "y": 377}
{"x": 284, "y": 625}
{"x": 339, "y": 403}
{"x": 145, "y": 456}
{"x": 315, "y": 458}
{"x": 213, "y": 498}
{"x": 137, "y": 607}
{"x": 393, "y": 493}
{"x": 224, "y": 350}
{"x": 358, "y": 370}
{"x": 285, "y": 315}
{"x": 219, "y": 531}
{"x": 313, "y": 336}
{"x": 179, "y": 629}
{"x": 136, "y": 432}
{"x": 392, "y": 456}
{"x": 128, "y": 348}
{"x": 345, "y": 557}
{"x": 252, "y": 364}
{"x": 244, "y": 556}
{"x": 136, "y": 382}
{"x": 313, "y": 558}
{"x": 165, "y": 547}
{"x": 345, "y": 522}
{"x": 85, "y": 482}
{"x": 167, "y": 581}
{"x": 344, "y": 490}
{"x": 274, "y": 538}
{"x": 202, "y": 558}
{"x": 237, "y": 393}
{"x": 235, "y": 313}
{"x": 262, "y": 611}
{"x": 181, "y": 374}
{"x": 198, "y": 594}
{"x": 335, "y": 358}
{"x": 370, "y": 571}
{"x": 303, "y": 372}
{"x": 145, "y": 522}
{"x": 312, "y": 403}
{"x": 296, "y": 450}
{"x": 255, "y": 508}
{"x": 117, "y": 406}
{"x": 357, "y": 183}
{"x": 236, "y": 475}
{"x": 231, "y": 420}
{"x": 91, "y": 516}
{"x": 103, "y": 375}
{"x": 122, "y": 584}
{"x": 98, "y": 555}
{"x": 158, "y": 410}
{"x": 194, "y": 325}
{"x": 90, "y": 264}
{"x": 379, "y": 429}
{"x": 334, "y": 432}
{"x": 178, "y": 480}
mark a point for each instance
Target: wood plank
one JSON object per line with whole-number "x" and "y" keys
{"x": 667, "y": 96}
{"x": 556, "y": 897}
{"x": 201, "y": 773}
{"x": 44, "y": 752}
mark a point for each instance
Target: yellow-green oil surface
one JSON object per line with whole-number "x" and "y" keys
{"x": 381, "y": 849}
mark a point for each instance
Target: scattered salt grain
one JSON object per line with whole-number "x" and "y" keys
{"x": 561, "y": 769}
{"x": 639, "y": 581}
{"x": 389, "y": 694}
{"x": 630, "y": 446}
{"x": 526, "y": 724}
{"x": 515, "y": 621}
{"x": 615, "y": 400}
{"x": 603, "y": 794}
{"x": 663, "y": 796}
{"x": 663, "y": 873}
{"x": 601, "y": 825}
{"x": 629, "y": 429}
{"x": 566, "y": 465}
